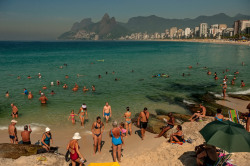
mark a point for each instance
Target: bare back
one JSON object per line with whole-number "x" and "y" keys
{"x": 25, "y": 135}
{"x": 144, "y": 115}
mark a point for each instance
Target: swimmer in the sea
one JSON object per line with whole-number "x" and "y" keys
{"x": 216, "y": 77}
{"x": 72, "y": 116}
{"x": 7, "y": 94}
{"x": 209, "y": 72}
{"x": 93, "y": 88}
{"x": 58, "y": 82}
{"x": 242, "y": 84}
{"x": 29, "y": 77}
{"x": 99, "y": 76}
{"x": 39, "y": 92}
{"x": 18, "y": 77}
{"x": 30, "y": 96}
{"x": 75, "y": 89}
{"x": 39, "y": 75}
{"x": 76, "y": 86}
{"x": 44, "y": 87}
{"x": 14, "y": 111}
{"x": 65, "y": 86}
{"x": 43, "y": 99}
{"x": 66, "y": 76}
{"x": 52, "y": 92}
{"x": 232, "y": 82}
{"x": 52, "y": 83}
{"x": 85, "y": 89}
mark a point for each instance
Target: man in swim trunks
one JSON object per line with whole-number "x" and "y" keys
{"x": 107, "y": 113}
{"x": 14, "y": 111}
{"x": 30, "y": 96}
{"x": 43, "y": 99}
{"x": 97, "y": 130}
{"x": 170, "y": 125}
{"x": 142, "y": 121}
{"x": 26, "y": 135}
{"x": 12, "y": 132}
{"x": 202, "y": 114}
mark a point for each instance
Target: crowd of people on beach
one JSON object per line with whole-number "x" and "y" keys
{"x": 119, "y": 131}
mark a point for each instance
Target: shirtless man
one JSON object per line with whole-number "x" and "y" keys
{"x": 14, "y": 111}
{"x": 65, "y": 86}
{"x": 248, "y": 119}
{"x": 26, "y": 135}
{"x": 107, "y": 113}
{"x": 43, "y": 99}
{"x": 142, "y": 121}
{"x": 7, "y": 94}
{"x": 170, "y": 125}
{"x": 199, "y": 115}
{"x": 12, "y": 132}
{"x": 30, "y": 96}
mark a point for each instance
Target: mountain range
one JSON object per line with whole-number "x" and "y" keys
{"x": 109, "y": 28}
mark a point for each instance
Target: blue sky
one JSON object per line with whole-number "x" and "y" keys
{"x": 47, "y": 19}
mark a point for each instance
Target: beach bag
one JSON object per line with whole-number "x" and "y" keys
{"x": 189, "y": 140}
{"x": 67, "y": 156}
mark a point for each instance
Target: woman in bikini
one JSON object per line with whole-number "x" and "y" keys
{"x": 128, "y": 123}
{"x": 82, "y": 112}
{"x": 97, "y": 130}
{"x": 75, "y": 155}
{"x": 72, "y": 116}
{"x": 178, "y": 136}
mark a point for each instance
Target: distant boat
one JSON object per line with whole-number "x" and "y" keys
{"x": 101, "y": 60}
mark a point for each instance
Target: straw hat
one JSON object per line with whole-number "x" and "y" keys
{"x": 13, "y": 121}
{"x": 47, "y": 129}
{"x": 76, "y": 136}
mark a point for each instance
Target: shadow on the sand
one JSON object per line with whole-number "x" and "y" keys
{"x": 138, "y": 132}
{"x": 111, "y": 151}
{"x": 102, "y": 143}
{"x": 188, "y": 158}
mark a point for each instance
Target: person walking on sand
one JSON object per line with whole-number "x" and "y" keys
{"x": 97, "y": 130}
{"x": 43, "y": 99}
{"x": 107, "y": 113}
{"x": 26, "y": 135}
{"x": 142, "y": 121}
{"x": 14, "y": 111}
{"x": 75, "y": 154}
{"x": 72, "y": 116}
{"x": 12, "y": 132}
{"x": 82, "y": 112}
{"x": 46, "y": 138}
{"x": 128, "y": 123}
{"x": 170, "y": 125}
{"x": 248, "y": 119}
{"x": 117, "y": 141}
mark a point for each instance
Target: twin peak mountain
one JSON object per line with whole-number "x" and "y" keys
{"x": 109, "y": 29}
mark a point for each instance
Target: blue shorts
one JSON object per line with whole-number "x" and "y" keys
{"x": 106, "y": 114}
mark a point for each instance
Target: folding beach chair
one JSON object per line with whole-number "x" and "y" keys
{"x": 222, "y": 161}
{"x": 234, "y": 116}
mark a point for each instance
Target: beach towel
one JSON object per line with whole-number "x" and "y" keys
{"x": 104, "y": 164}
{"x": 180, "y": 143}
{"x": 233, "y": 116}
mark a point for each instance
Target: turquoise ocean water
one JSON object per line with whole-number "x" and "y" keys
{"x": 135, "y": 89}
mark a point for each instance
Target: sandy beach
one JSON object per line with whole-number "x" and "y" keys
{"x": 151, "y": 151}
{"x": 237, "y": 104}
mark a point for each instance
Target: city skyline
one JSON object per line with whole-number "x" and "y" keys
{"x": 33, "y": 20}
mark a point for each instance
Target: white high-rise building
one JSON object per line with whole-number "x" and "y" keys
{"x": 203, "y": 30}
{"x": 214, "y": 30}
{"x": 187, "y": 32}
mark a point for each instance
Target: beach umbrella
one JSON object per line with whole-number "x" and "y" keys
{"x": 227, "y": 135}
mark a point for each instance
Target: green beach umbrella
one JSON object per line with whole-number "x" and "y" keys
{"x": 227, "y": 135}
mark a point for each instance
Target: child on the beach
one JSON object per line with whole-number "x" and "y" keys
{"x": 72, "y": 116}
{"x": 123, "y": 130}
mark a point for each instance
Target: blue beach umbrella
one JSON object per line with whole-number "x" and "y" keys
{"x": 227, "y": 135}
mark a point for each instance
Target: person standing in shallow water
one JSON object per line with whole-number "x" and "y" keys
{"x": 107, "y": 113}
{"x": 97, "y": 130}
{"x": 14, "y": 111}
{"x": 142, "y": 121}
{"x": 12, "y": 132}
{"x": 26, "y": 135}
{"x": 128, "y": 122}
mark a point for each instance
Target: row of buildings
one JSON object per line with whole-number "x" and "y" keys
{"x": 201, "y": 31}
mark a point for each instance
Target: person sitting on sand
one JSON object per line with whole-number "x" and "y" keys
{"x": 14, "y": 110}
{"x": 178, "y": 136}
{"x": 43, "y": 99}
{"x": 123, "y": 130}
{"x": 75, "y": 154}
{"x": 72, "y": 116}
{"x": 7, "y": 94}
{"x": 142, "y": 121}
{"x": 46, "y": 138}
{"x": 12, "y": 132}
{"x": 30, "y": 96}
{"x": 170, "y": 125}
{"x": 248, "y": 119}
{"x": 199, "y": 114}
{"x": 107, "y": 113}
{"x": 97, "y": 130}
{"x": 26, "y": 135}
{"x": 117, "y": 141}
{"x": 65, "y": 86}
{"x": 128, "y": 122}
{"x": 82, "y": 112}
{"x": 242, "y": 84}
{"x": 219, "y": 116}
{"x": 85, "y": 89}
